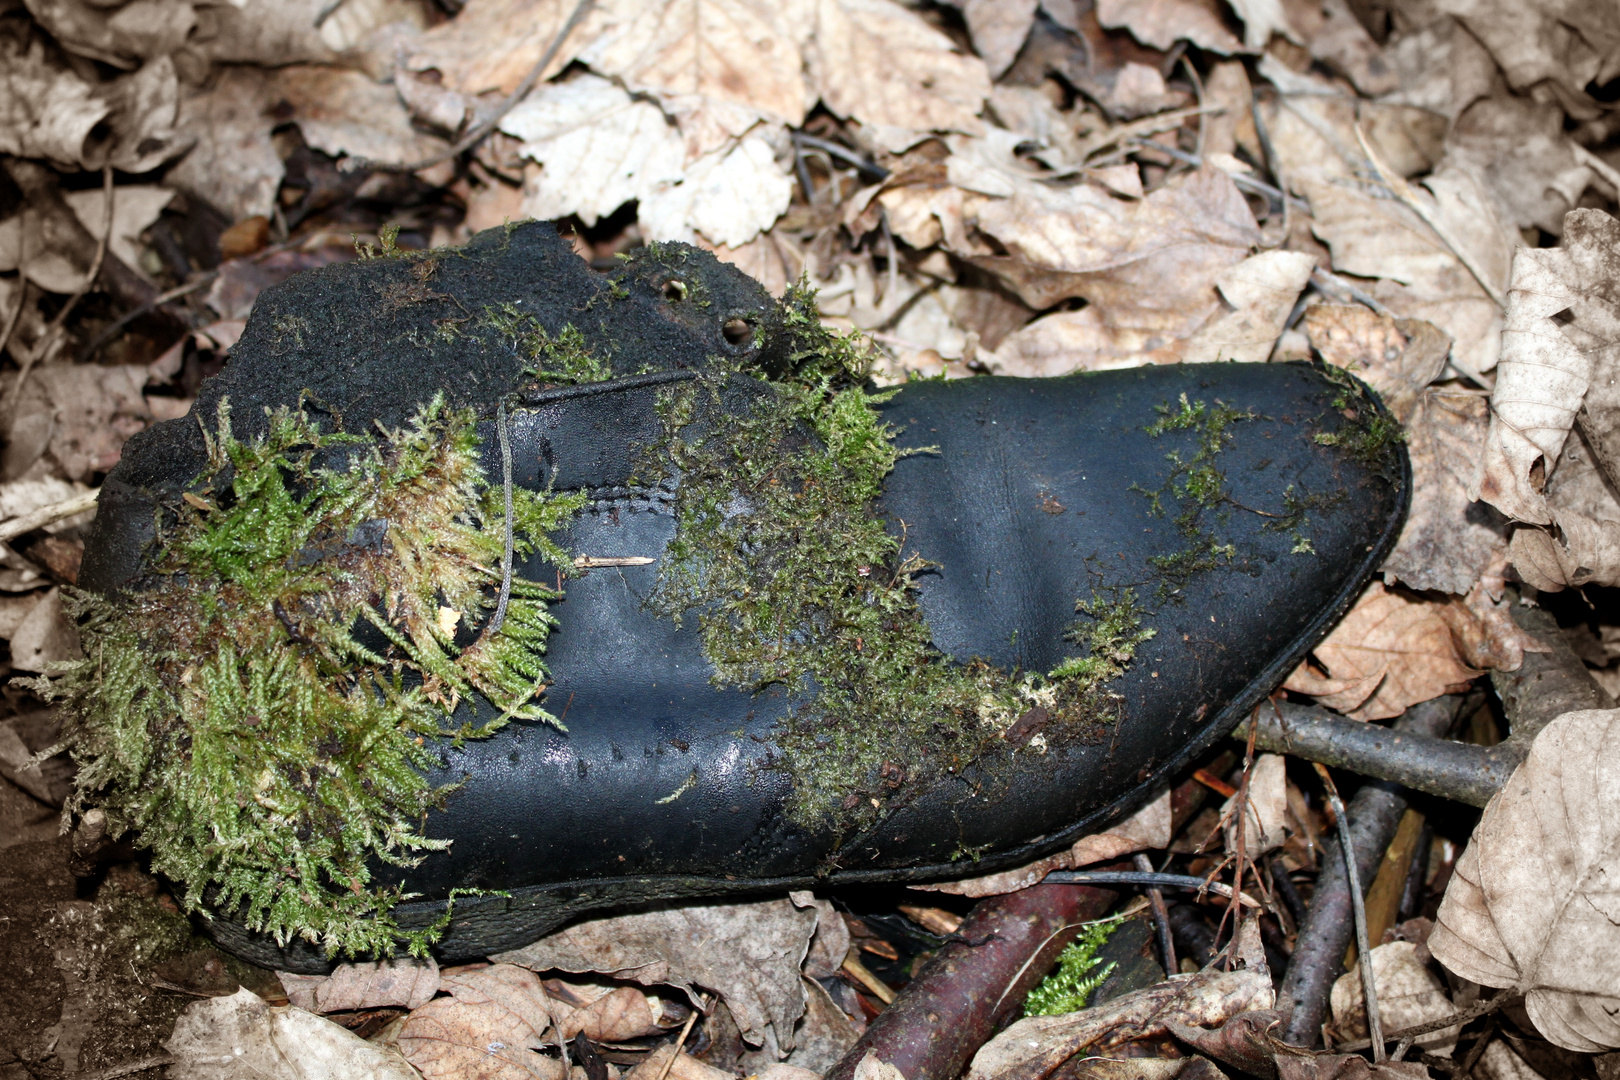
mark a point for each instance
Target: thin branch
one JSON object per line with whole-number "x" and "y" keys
{"x": 1328, "y": 281}
{"x": 506, "y": 549}
{"x": 483, "y": 130}
{"x": 1161, "y": 918}
{"x": 1137, "y": 877}
{"x": 1273, "y": 163}
{"x": 48, "y": 515}
{"x": 1359, "y": 908}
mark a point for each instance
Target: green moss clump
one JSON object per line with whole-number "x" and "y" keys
{"x": 563, "y": 358}
{"x": 798, "y": 584}
{"x": 1078, "y": 973}
{"x": 260, "y": 707}
{"x": 1369, "y": 433}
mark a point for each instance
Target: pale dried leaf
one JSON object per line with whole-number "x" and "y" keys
{"x": 1409, "y": 994}
{"x": 749, "y": 953}
{"x": 620, "y": 1014}
{"x": 1563, "y": 317}
{"x": 872, "y": 1067}
{"x": 1420, "y": 276}
{"x": 1261, "y": 19}
{"x": 487, "y": 1030}
{"x": 729, "y": 196}
{"x": 1149, "y": 265}
{"x": 999, "y": 28}
{"x": 491, "y": 45}
{"x": 1227, "y": 88}
{"x": 1527, "y": 161}
{"x": 304, "y": 32}
{"x": 1346, "y": 1067}
{"x": 1499, "y": 1062}
{"x": 1399, "y": 645}
{"x": 1146, "y": 830}
{"x": 823, "y": 1037}
{"x": 1567, "y": 41}
{"x": 241, "y": 1038}
{"x": 1035, "y": 1045}
{"x": 135, "y": 208}
{"x": 1343, "y": 45}
{"x": 1442, "y": 68}
{"x": 345, "y": 113}
{"x": 1449, "y": 539}
{"x": 135, "y": 31}
{"x": 233, "y": 165}
{"x": 1265, "y": 820}
{"x": 1070, "y": 341}
{"x": 685, "y": 1067}
{"x": 600, "y": 149}
{"x": 773, "y": 263}
{"x": 375, "y": 984}
{"x": 1533, "y": 903}
{"x": 738, "y": 51}
{"x": 1397, "y": 358}
{"x": 1162, "y": 23}
{"x": 881, "y": 64}
{"x": 1259, "y": 294}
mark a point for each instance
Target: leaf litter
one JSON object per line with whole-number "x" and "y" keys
{"x": 1419, "y": 193}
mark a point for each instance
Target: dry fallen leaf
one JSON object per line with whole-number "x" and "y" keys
{"x": 1388, "y": 652}
{"x": 1265, "y": 819}
{"x": 881, "y": 64}
{"x": 729, "y": 196}
{"x": 232, "y": 165}
{"x": 1528, "y": 163}
{"x": 1146, "y": 830}
{"x": 1259, "y": 293}
{"x": 1442, "y": 68}
{"x": 603, "y": 1013}
{"x": 135, "y": 208}
{"x": 1162, "y": 23}
{"x": 1035, "y": 1046}
{"x": 1409, "y": 994}
{"x": 241, "y": 1038}
{"x": 749, "y": 953}
{"x": 1565, "y": 41}
{"x": 403, "y": 982}
{"x": 345, "y": 113}
{"x": 999, "y": 28}
{"x": 1533, "y": 902}
{"x": 492, "y": 44}
{"x": 1397, "y": 358}
{"x": 1563, "y": 321}
{"x": 488, "y": 1029}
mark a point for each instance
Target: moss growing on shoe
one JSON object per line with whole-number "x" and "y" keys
{"x": 1368, "y": 433}
{"x": 798, "y": 583}
{"x": 262, "y": 708}
{"x": 563, "y": 358}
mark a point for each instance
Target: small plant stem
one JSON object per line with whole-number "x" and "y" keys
{"x": 858, "y": 971}
{"x": 1359, "y": 909}
{"x": 680, "y": 1042}
{"x": 505, "y": 598}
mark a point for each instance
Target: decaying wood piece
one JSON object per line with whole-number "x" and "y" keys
{"x": 1375, "y": 813}
{"x": 1002, "y": 950}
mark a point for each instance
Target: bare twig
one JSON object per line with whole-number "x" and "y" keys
{"x": 22, "y": 290}
{"x": 1274, "y": 164}
{"x": 860, "y": 973}
{"x": 1359, "y": 908}
{"x": 1161, "y": 918}
{"x": 47, "y": 515}
{"x": 686, "y": 1030}
{"x": 1137, "y": 877}
{"x": 483, "y": 130}
{"x": 1328, "y": 281}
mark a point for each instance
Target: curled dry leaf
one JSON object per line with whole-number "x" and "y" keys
{"x": 1036, "y": 1046}
{"x": 1346, "y": 1067}
{"x": 1409, "y": 994}
{"x": 488, "y": 1029}
{"x": 241, "y": 1038}
{"x": 1249, "y": 1041}
{"x": 1146, "y": 830}
{"x": 749, "y": 953}
{"x": 1563, "y": 318}
{"x": 603, "y": 1013}
{"x": 1533, "y": 903}
{"x": 1442, "y": 68}
{"x": 1388, "y": 652}
{"x": 1258, "y": 294}
{"x": 232, "y": 164}
{"x": 1527, "y": 161}
{"x": 491, "y": 45}
{"x": 377, "y": 984}
{"x": 346, "y": 113}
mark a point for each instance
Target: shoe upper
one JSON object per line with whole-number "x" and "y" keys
{"x": 1189, "y": 532}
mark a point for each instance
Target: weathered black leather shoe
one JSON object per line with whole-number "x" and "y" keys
{"x": 542, "y": 591}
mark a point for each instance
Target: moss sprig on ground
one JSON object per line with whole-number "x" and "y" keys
{"x": 1068, "y": 988}
{"x": 263, "y": 706}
